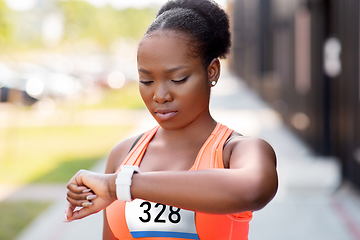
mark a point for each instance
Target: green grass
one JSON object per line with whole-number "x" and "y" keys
{"x": 16, "y": 215}
{"x": 65, "y": 170}
{"x": 53, "y": 153}
{"x": 32, "y": 154}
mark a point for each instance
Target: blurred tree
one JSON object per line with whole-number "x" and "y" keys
{"x": 6, "y": 28}
{"x": 105, "y": 25}
{"x": 22, "y": 30}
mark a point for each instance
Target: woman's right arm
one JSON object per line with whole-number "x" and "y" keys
{"x": 116, "y": 156}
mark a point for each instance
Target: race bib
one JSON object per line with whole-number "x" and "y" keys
{"x": 148, "y": 219}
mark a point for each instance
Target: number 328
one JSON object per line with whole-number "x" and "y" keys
{"x": 173, "y": 217}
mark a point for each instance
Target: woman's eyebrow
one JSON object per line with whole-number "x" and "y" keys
{"x": 144, "y": 71}
{"x": 171, "y": 70}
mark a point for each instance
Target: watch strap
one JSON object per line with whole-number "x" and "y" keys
{"x": 123, "y": 182}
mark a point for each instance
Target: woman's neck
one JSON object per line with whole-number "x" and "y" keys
{"x": 197, "y": 131}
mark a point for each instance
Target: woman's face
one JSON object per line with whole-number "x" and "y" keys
{"x": 174, "y": 86}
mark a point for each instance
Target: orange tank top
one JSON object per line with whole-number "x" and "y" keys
{"x": 147, "y": 220}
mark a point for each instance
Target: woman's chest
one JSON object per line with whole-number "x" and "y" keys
{"x": 166, "y": 159}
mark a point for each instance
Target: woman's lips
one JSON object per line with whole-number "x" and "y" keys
{"x": 164, "y": 115}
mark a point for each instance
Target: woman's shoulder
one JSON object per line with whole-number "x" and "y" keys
{"x": 119, "y": 152}
{"x": 244, "y": 148}
{"x": 247, "y": 143}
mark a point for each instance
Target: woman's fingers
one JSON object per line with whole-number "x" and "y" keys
{"x": 80, "y": 202}
{"x": 74, "y": 212}
{"x": 73, "y": 208}
{"x": 79, "y": 196}
{"x": 91, "y": 197}
{"x": 83, "y": 212}
{"x": 77, "y": 203}
{"x": 88, "y": 193}
{"x": 68, "y": 212}
{"x": 74, "y": 187}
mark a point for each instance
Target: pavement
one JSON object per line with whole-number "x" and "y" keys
{"x": 311, "y": 202}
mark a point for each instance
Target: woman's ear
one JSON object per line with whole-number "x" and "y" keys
{"x": 213, "y": 71}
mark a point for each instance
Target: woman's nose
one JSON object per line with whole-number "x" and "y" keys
{"x": 162, "y": 93}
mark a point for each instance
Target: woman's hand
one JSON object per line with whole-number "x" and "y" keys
{"x": 91, "y": 191}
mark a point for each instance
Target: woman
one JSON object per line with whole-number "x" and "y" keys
{"x": 197, "y": 179}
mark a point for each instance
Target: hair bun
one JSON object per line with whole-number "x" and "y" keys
{"x": 205, "y": 8}
{"x": 204, "y": 20}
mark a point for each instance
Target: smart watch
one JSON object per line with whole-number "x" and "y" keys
{"x": 123, "y": 182}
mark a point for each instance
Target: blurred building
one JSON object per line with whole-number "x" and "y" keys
{"x": 302, "y": 57}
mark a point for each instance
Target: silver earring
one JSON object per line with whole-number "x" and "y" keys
{"x": 213, "y": 83}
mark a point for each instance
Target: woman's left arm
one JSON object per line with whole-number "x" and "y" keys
{"x": 248, "y": 185}
{"x": 257, "y": 158}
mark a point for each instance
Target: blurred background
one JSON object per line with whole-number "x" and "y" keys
{"x": 68, "y": 85}
{"x": 302, "y": 58}
{"x": 68, "y": 94}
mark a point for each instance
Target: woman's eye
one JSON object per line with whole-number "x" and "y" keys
{"x": 146, "y": 82}
{"x": 180, "y": 81}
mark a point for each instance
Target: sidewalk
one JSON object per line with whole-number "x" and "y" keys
{"x": 307, "y": 205}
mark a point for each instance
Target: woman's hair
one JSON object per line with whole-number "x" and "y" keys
{"x": 203, "y": 20}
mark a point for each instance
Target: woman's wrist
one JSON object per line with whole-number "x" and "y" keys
{"x": 112, "y": 186}
{"x": 132, "y": 190}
